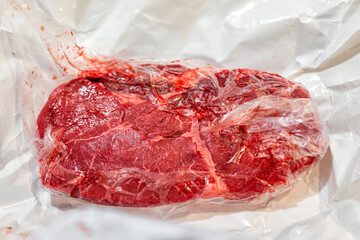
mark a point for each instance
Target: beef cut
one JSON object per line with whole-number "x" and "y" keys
{"x": 151, "y": 134}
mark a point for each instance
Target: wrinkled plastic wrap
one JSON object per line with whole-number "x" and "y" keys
{"x": 150, "y": 134}
{"x": 57, "y": 59}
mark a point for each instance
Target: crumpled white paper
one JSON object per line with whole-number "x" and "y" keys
{"x": 315, "y": 42}
{"x": 96, "y": 223}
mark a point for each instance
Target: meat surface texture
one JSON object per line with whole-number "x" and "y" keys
{"x": 151, "y": 134}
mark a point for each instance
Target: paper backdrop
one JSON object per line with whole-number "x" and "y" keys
{"x": 314, "y": 42}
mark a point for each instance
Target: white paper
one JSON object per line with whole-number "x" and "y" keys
{"x": 96, "y": 223}
{"x": 315, "y": 42}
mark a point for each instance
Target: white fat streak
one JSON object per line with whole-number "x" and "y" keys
{"x": 201, "y": 147}
{"x": 129, "y": 98}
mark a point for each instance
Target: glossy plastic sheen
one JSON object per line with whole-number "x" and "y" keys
{"x": 151, "y": 134}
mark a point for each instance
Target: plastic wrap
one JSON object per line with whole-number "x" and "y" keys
{"x": 319, "y": 65}
{"x": 147, "y": 133}
{"x": 151, "y": 134}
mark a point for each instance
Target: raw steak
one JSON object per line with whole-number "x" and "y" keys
{"x": 151, "y": 134}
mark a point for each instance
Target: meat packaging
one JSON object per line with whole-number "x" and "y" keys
{"x": 149, "y": 134}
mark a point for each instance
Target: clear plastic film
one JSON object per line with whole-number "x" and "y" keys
{"x": 173, "y": 133}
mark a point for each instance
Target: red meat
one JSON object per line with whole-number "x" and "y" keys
{"x": 158, "y": 134}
